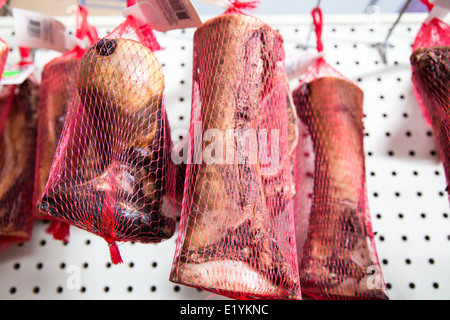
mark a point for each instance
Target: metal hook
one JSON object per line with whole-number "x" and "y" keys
{"x": 383, "y": 46}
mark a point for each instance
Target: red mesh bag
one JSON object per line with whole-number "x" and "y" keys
{"x": 335, "y": 243}
{"x": 433, "y": 33}
{"x": 112, "y": 174}
{"x": 430, "y": 63}
{"x": 18, "y": 125}
{"x": 236, "y": 235}
{"x": 58, "y": 83}
{"x": 431, "y": 78}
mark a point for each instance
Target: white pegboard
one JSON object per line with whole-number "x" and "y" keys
{"x": 406, "y": 182}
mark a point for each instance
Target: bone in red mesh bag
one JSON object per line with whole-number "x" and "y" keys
{"x": 236, "y": 235}
{"x": 335, "y": 243}
{"x": 18, "y": 125}
{"x": 58, "y": 84}
{"x": 433, "y": 33}
{"x": 430, "y": 63}
{"x": 112, "y": 174}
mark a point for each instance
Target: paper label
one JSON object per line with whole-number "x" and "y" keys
{"x": 40, "y": 31}
{"x": 16, "y": 74}
{"x": 165, "y": 15}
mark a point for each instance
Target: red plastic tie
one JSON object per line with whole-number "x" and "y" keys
{"x": 131, "y": 3}
{"x": 114, "y": 252}
{"x": 25, "y": 56}
{"x": 428, "y": 4}
{"x": 59, "y": 230}
{"x": 317, "y": 16}
{"x": 83, "y": 27}
{"x": 238, "y": 6}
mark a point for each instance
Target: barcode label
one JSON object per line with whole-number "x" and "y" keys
{"x": 37, "y": 30}
{"x": 165, "y": 15}
{"x": 34, "y": 28}
{"x": 179, "y": 9}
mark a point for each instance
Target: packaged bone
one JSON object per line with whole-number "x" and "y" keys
{"x": 236, "y": 230}
{"x": 338, "y": 245}
{"x": 18, "y": 144}
{"x": 110, "y": 176}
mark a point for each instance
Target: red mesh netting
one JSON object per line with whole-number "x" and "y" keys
{"x": 236, "y": 235}
{"x": 431, "y": 78}
{"x": 111, "y": 174}
{"x": 434, "y": 33}
{"x": 58, "y": 85}
{"x": 335, "y": 242}
{"x": 18, "y": 125}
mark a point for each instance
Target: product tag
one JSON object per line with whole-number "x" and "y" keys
{"x": 164, "y": 15}
{"x": 16, "y": 74}
{"x": 297, "y": 64}
{"x": 40, "y": 31}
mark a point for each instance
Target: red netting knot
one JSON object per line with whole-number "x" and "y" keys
{"x": 114, "y": 252}
{"x": 238, "y": 6}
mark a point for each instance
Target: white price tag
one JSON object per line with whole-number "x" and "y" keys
{"x": 40, "y": 31}
{"x": 16, "y": 74}
{"x": 165, "y": 15}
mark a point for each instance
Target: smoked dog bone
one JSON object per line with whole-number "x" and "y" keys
{"x": 117, "y": 187}
{"x": 228, "y": 243}
{"x": 18, "y": 143}
{"x": 337, "y": 253}
{"x": 58, "y": 81}
{"x": 431, "y": 75}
